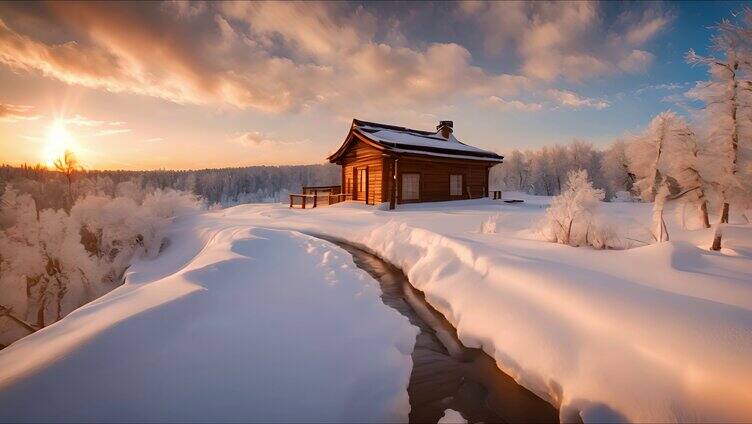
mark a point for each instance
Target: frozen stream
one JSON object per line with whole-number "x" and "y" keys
{"x": 445, "y": 373}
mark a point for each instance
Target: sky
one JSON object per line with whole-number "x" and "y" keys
{"x": 179, "y": 85}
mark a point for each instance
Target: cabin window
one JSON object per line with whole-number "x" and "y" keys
{"x": 362, "y": 180}
{"x": 410, "y": 186}
{"x": 455, "y": 185}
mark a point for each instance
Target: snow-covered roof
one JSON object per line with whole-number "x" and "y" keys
{"x": 406, "y": 140}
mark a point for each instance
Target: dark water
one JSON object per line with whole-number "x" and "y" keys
{"x": 445, "y": 373}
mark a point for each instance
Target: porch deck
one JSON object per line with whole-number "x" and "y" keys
{"x": 315, "y": 196}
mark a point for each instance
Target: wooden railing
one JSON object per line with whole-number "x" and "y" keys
{"x": 475, "y": 192}
{"x": 334, "y": 189}
{"x": 318, "y": 196}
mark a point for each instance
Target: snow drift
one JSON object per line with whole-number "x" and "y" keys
{"x": 658, "y": 333}
{"x": 260, "y": 325}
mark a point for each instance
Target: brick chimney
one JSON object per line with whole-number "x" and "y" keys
{"x": 445, "y": 128}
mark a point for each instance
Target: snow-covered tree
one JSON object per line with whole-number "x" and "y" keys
{"x": 570, "y": 217}
{"x": 513, "y": 174}
{"x": 544, "y": 171}
{"x": 542, "y": 174}
{"x": 615, "y": 169}
{"x": 52, "y": 261}
{"x": 561, "y": 164}
{"x": 687, "y": 164}
{"x": 647, "y": 159}
{"x": 728, "y": 113}
{"x": 666, "y": 153}
{"x": 582, "y": 155}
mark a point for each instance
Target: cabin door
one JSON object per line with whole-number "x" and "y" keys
{"x": 361, "y": 187}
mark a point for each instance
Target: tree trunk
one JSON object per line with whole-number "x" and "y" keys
{"x": 40, "y": 312}
{"x": 664, "y": 229}
{"x": 717, "y": 237}
{"x": 704, "y": 213}
{"x": 660, "y": 231}
{"x": 725, "y": 213}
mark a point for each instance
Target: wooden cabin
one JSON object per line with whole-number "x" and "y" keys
{"x": 387, "y": 163}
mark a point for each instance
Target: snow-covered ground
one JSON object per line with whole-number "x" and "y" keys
{"x": 655, "y": 333}
{"x": 229, "y": 324}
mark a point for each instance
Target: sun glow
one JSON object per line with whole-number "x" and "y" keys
{"x": 58, "y": 141}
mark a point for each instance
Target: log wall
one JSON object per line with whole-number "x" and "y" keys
{"x": 434, "y": 178}
{"x": 359, "y": 156}
{"x": 434, "y": 175}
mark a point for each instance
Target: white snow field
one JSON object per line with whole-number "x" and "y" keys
{"x": 657, "y": 333}
{"x": 229, "y": 324}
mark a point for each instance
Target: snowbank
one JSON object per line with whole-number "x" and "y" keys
{"x": 229, "y": 324}
{"x": 657, "y": 333}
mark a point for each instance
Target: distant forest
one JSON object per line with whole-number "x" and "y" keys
{"x": 224, "y": 186}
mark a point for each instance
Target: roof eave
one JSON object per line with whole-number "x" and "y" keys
{"x": 354, "y": 133}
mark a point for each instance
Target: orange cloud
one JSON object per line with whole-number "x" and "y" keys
{"x": 13, "y": 113}
{"x": 276, "y": 57}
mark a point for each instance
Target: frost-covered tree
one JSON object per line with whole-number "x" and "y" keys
{"x": 67, "y": 235}
{"x": 39, "y": 253}
{"x": 647, "y": 159}
{"x": 727, "y": 114}
{"x": 582, "y": 155}
{"x": 561, "y": 164}
{"x": 53, "y": 261}
{"x": 615, "y": 169}
{"x": 570, "y": 217}
{"x": 687, "y": 164}
{"x": 652, "y": 163}
{"x": 542, "y": 174}
{"x": 544, "y": 171}
{"x": 513, "y": 174}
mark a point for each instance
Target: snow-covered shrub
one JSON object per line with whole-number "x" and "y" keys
{"x": 53, "y": 261}
{"x": 602, "y": 235}
{"x": 488, "y": 226}
{"x": 570, "y": 217}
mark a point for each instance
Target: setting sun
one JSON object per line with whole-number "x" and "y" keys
{"x": 58, "y": 141}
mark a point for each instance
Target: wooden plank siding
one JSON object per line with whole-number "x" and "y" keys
{"x": 434, "y": 178}
{"x": 362, "y": 156}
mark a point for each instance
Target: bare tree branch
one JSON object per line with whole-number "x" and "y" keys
{"x": 6, "y": 311}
